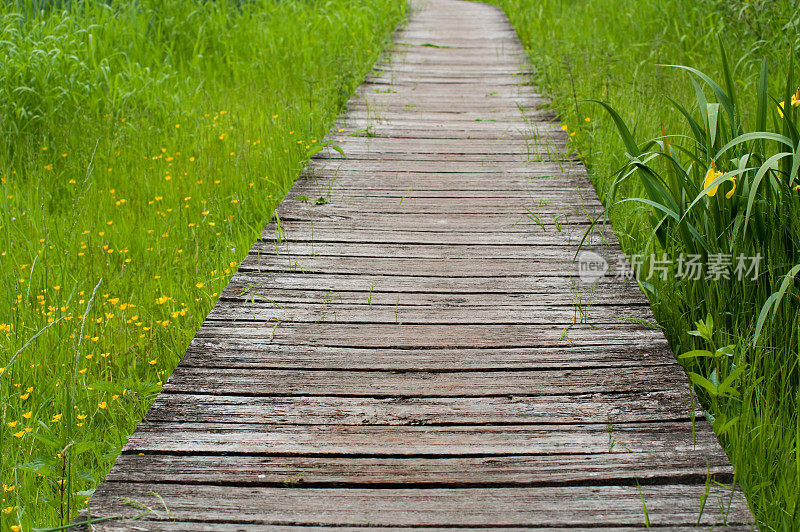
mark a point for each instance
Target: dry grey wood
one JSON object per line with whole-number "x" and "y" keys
{"x": 426, "y": 336}
{"x": 262, "y": 353}
{"x": 195, "y": 526}
{"x": 428, "y": 440}
{"x": 533, "y": 235}
{"x": 616, "y": 407}
{"x": 405, "y": 251}
{"x": 528, "y": 470}
{"x": 539, "y": 506}
{"x": 397, "y": 384}
{"x": 409, "y": 343}
{"x": 415, "y": 314}
{"x": 553, "y": 289}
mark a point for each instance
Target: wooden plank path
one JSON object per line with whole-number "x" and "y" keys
{"x": 410, "y": 346}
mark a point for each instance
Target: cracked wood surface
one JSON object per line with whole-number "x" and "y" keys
{"x": 409, "y": 343}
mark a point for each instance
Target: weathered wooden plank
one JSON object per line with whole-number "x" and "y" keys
{"x": 532, "y": 155}
{"x": 535, "y": 188}
{"x": 488, "y": 115}
{"x": 454, "y": 174}
{"x": 390, "y": 186}
{"x": 439, "y": 167}
{"x": 583, "y": 299}
{"x": 545, "y": 122}
{"x": 542, "y": 203}
{"x": 427, "y": 440}
{"x": 196, "y": 526}
{"x": 410, "y": 147}
{"x": 262, "y": 312}
{"x": 625, "y": 407}
{"x": 384, "y": 130}
{"x": 405, "y": 96}
{"x": 262, "y": 353}
{"x": 570, "y": 235}
{"x": 425, "y": 336}
{"x": 461, "y": 83}
{"x": 281, "y": 382}
{"x": 541, "y": 506}
{"x": 312, "y": 471}
{"x": 568, "y": 289}
{"x": 322, "y": 254}
{"x": 272, "y": 260}
{"x": 561, "y": 227}
{"x": 413, "y": 251}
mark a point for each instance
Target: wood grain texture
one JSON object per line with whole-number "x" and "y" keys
{"x": 615, "y": 407}
{"x": 410, "y": 344}
{"x": 540, "y": 506}
{"x": 310, "y": 471}
{"x": 424, "y": 440}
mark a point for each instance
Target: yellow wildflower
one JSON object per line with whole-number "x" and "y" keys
{"x": 8, "y": 510}
{"x": 794, "y": 103}
{"x": 102, "y": 406}
{"x": 56, "y": 418}
{"x": 27, "y": 415}
{"x": 19, "y": 434}
{"x": 15, "y": 528}
{"x": 12, "y": 424}
{"x": 713, "y": 174}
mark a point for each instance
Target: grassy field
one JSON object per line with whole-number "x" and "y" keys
{"x": 144, "y": 147}
{"x": 642, "y": 147}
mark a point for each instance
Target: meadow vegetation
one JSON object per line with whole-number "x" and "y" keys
{"x": 144, "y": 146}
{"x": 698, "y": 162}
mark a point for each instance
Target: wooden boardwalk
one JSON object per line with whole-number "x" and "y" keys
{"x": 410, "y": 346}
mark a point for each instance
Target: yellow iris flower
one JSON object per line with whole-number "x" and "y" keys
{"x": 713, "y": 174}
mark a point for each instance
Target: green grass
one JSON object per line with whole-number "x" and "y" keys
{"x": 145, "y": 145}
{"x": 610, "y": 52}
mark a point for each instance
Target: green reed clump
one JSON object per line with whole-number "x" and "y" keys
{"x": 708, "y": 174}
{"x": 144, "y": 146}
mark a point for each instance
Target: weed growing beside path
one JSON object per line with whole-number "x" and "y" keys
{"x": 144, "y": 147}
{"x": 610, "y": 52}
